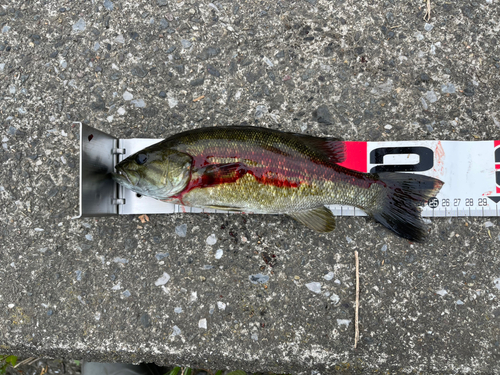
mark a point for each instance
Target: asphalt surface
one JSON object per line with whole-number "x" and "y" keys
{"x": 97, "y": 289}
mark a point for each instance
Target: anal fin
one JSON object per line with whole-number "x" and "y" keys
{"x": 318, "y": 219}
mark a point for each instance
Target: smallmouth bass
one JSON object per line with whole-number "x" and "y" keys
{"x": 267, "y": 171}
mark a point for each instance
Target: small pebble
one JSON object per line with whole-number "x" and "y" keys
{"x": 127, "y": 96}
{"x": 335, "y": 298}
{"x": 126, "y": 294}
{"x": 328, "y": 276}
{"x": 89, "y": 237}
{"x": 448, "y": 88}
{"x": 219, "y": 253}
{"x": 202, "y": 323}
{"x": 314, "y": 287}
{"x": 145, "y": 320}
{"x": 108, "y": 5}
{"x": 176, "y": 331}
{"x": 178, "y": 310}
{"x": 260, "y": 111}
{"x": 186, "y": 43}
{"x": 163, "y": 25}
{"x": 255, "y": 336}
{"x": 139, "y": 103}
{"x": 460, "y": 302}
{"x": 431, "y": 96}
{"x": 424, "y": 104}
{"x": 442, "y": 292}
{"x": 162, "y": 94}
{"x": 258, "y": 278}
{"x": 428, "y": 27}
{"x": 343, "y": 322}
{"x": 172, "y": 102}
{"x": 79, "y": 26}
{"x": 163, "y": 279}
{"x": 268, "y": 62}
{"x": 221, "y": 305}
{"x": 120, "y": 39}
{"x": 160, "y": 256}
{"x": 193, "y": 297}
{"x": 211, "y": 240}
{"x": 383, "y": 89}
{"x": 181, "y": 230}
{"x": 489, "y": 224}
{"x": 120, "y": 260}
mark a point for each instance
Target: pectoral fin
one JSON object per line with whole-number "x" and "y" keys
{"x": 319, "y": 219}
{"x": 216, "y": 174}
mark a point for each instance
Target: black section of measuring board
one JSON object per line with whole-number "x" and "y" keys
{"x": 495, "y": 199}
{"x": 425, "y": 163}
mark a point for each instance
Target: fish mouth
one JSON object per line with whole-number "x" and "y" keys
{"x": 124, "y": 177}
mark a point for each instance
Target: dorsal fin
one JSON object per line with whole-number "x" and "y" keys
{"x": 326, "y": 148}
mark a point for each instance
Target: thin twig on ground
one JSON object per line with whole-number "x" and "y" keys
{"x": 27, "y": 360}
{"x": 427, "y": 15}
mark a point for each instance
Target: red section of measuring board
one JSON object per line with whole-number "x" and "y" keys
{"x": 356, "y": 156}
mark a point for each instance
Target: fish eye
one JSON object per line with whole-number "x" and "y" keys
{"x": 141, "y": 159}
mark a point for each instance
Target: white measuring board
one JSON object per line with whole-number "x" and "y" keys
{"x": 470, "y": 171}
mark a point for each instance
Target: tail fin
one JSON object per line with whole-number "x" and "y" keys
{"x": 399, "y": 209}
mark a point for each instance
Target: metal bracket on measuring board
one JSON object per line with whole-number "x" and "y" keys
{"x": 99, "y": 194}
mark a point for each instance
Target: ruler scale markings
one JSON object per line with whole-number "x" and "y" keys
{"x": 468, "y": 168}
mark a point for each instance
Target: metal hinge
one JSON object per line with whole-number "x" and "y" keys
{"x": 118, "y": 151}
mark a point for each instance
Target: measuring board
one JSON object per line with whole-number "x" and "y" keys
{"x": 470, "y": 171}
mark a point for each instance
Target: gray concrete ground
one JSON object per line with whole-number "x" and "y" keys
{"x": 90, "y": 288}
